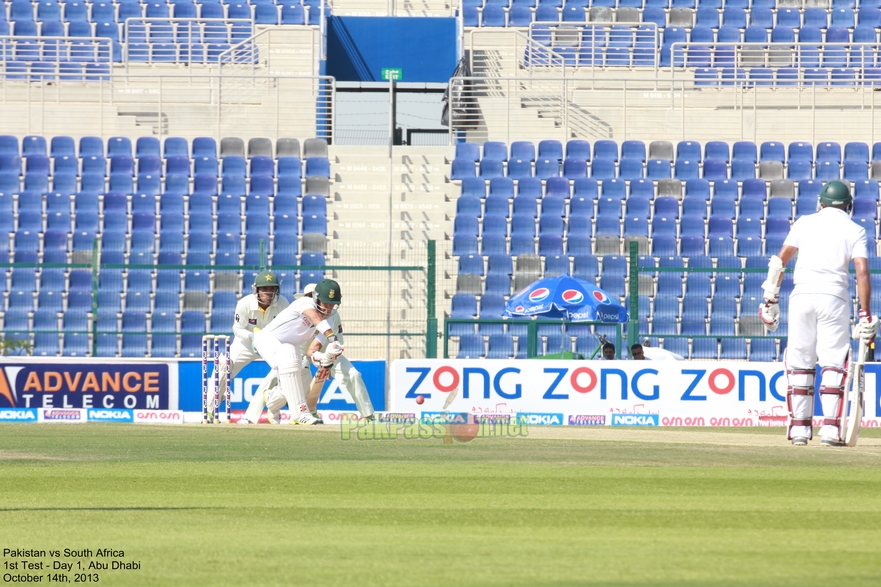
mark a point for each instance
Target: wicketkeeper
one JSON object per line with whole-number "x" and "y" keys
{"x": 819, "y": 310}
{"x": 253, "y": 312}
{"x": 279, "y": 345}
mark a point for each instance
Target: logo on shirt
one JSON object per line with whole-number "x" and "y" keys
{"x": 252, "y": 321}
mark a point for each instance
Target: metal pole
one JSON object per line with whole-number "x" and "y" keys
{"x": 95, "y": 297}
{"x": 633, "y": 324}
{"x": 159, "y": 112}
{"x": 391, "y": 187}
{"x": 431, "y": 330}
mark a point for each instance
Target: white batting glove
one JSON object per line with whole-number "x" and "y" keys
{"x": 334, "y": 350}
{"x": 769, "y": 312}
{"x": 866, "y": 328}
{"x": 318, "y": 359}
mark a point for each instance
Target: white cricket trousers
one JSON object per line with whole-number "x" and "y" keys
{"x": 819, "y": 331}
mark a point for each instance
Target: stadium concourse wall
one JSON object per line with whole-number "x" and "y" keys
{"x": 164, "y": 391}
{"x": 604, "y": 393}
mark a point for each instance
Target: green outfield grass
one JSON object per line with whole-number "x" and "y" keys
{"x": 286, "y": 506}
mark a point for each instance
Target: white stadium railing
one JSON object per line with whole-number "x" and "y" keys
{"x": 524, "y": 108}
{"x": 187, "y": 105}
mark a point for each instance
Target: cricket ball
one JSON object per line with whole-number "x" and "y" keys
{"x": 420, "y": 400}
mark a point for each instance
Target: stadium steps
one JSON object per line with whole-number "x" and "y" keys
{"x": 423, "y": 206}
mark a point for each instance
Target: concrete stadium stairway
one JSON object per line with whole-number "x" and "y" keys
{"x": 423, "y": 205}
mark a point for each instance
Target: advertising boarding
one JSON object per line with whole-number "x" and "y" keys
{"x": 57, "y": 385}
{"x": 245, "y": 384}
{"x": 600, "y": 393}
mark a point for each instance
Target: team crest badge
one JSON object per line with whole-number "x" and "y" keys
{"x": 332, "y": 294}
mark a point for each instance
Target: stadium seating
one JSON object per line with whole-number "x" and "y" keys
{"x": 722, "y": 222}
{"x": 176, "y": 224}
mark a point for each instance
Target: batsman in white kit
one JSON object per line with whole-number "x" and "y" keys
{"x": 253, "y": 312}
{"x": 340, "y": 368}
{"x": 819, "y": 312}
{"x": 279, "y": 345}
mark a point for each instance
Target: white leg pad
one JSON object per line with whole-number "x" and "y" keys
{"x": 800, "y": 400}
{"x": 275, "y": 400}
{"x": 831, "y": 397}
{"x": 255, "y": 408}
{"x": 290, "y": 381}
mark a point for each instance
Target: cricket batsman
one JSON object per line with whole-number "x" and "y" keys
{"x": 279, "y": 344}
{"x": 819, "y": 311}
{"x": 253, "y": 312}
{"x": 341, "y": 369}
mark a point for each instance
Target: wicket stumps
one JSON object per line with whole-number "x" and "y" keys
{"x": 207, "y": 342}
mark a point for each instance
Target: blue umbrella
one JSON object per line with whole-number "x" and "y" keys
{"x": 566, "y": 297}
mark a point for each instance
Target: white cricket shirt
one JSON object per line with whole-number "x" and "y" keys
{"x": 827, "y": 242}
{"x": 292, "y": 326}
{"x": 334, "y": 321}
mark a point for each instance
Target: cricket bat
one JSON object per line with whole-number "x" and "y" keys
{"x": 852, "y": 415}
{"x": 314, "y": 392}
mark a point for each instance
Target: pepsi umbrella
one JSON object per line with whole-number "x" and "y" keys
{"x": 566, "y": 297}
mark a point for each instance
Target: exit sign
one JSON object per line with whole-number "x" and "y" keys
{"x": 392, "y": 73}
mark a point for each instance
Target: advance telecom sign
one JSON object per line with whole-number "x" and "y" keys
{"x": 85, "y": 384}
{"x": 617, "y": 393}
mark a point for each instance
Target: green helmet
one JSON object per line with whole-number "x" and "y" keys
{"x": 835, "y": 193}
{"x": 328, "y": 291}
{"x": 267, "y": 279}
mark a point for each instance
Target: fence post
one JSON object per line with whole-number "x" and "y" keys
{"x": 431, "y": 325}
{"x": 633, "y": 324}
{"x": 262, "y": 255}
{"x": 95, "y": 297}
{"x": 531, "y": 339}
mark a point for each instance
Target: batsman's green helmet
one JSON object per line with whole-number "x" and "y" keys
{"x": 266, "y": 279}
{"x": 835, "y": 193}
{"x": 328, "y": 291}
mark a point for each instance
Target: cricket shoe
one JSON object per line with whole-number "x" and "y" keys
{"x": 799, "y": 441}
{"x": 317, "y": 417}
{"x": 829, "y": 441}
{"x": 307, "y": 419}
{"x": 243, "y": 421}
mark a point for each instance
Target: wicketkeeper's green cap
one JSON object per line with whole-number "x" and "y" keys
{"x": 266, "y": 279}
{"x": 328, "y": 291}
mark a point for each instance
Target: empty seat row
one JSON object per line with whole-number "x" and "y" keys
{"x": 287, "y": 12}
{"x": 659, "y": 169}
{"x": 678, "y": 16}
{"x": 230, "y": 166}
{"x": 689, "y": 150}
{"x": 90, "y": 146}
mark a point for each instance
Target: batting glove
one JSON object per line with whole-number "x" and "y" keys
{"x": 769, "y": 312}
{"x": 318, "y": 358}
{"x": 867, "y": 327}
{"x": 334, "y": 350}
